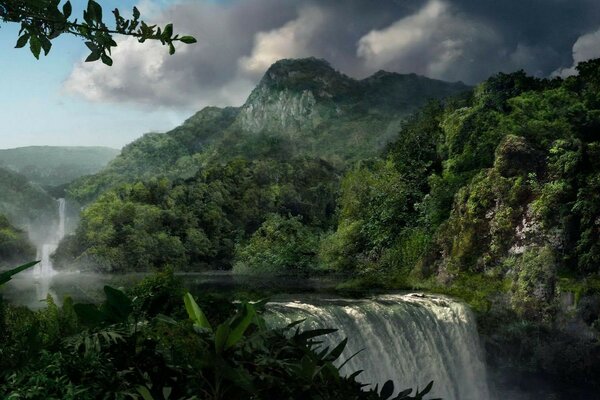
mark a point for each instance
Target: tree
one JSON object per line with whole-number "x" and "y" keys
{"x": 42, "y": 21}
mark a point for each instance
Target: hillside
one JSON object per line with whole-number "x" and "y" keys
{"x": 15, "y": 247}
{"x": 300, "y": 108}
{"x": 25, "y": 204}
{"x": 56, "y": 165}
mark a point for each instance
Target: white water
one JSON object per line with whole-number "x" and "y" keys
{"x": 411, "y": 339}
{"x": 45, "y": 268}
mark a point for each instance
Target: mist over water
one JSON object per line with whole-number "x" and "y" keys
{"x": 45, "y": 268}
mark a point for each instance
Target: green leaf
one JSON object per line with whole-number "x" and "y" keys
{"x": 239, "y": 325}
{"x": 188, "y": 39}
{"x": 67, "y": 9}
{"x": 171, "y": 49}
{"x": 107, "y": 60}
{"x": 46, "y": 44}
{"x": 94, "y": 11}
{"x": 168, "y": 31}
{"x": 35, "y": 46}
{"x": 146, "y": 395}
{"x": 88, "y": 314}
{"x": 118, "y": 304}
{"x": 195, "y": 313}
{"x": 22, "y": 41}
{"x": 94, "y": 56}
{"x": 7, "y": 276}
{"x": 136, "y": 13}
{"x": 221, "y": 335}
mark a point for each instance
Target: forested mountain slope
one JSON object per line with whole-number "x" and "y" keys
{"x": 15, "y": 247}
{"x": 56, "y": 165}
{"x": 491, "y": 197}
{"x": 300, "y": 108}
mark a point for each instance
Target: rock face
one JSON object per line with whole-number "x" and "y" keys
{"x": 309, "y": 99}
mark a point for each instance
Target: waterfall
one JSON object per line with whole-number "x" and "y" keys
{"x": 411, "y": 339}
{"x": 45, "y": 269}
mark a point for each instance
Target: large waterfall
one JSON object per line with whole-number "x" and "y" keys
{"x": 411, "y": 339}
{"x": 45, "y": 269}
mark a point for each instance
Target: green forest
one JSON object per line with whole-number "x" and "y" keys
{"x": 489, "y": 194}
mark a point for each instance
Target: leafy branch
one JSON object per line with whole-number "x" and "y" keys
{"x": 42, "y": 21}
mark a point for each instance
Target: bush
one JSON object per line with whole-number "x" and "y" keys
{"x": 281, "y": 246}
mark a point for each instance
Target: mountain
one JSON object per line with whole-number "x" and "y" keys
{"x": 26, "y": 205}
{"x": 300, "y": 108}
{"x": 15, "y": 247}
{"x": 56, "y": 165}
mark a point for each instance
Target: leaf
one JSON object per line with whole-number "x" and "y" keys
{"x": 146, "y": 395}
{"x": 293, "y": 324}
{"x": 355, "y": 374}
{"x": 239, "y": 325}
{"x": 221, "y": 336}
{"x": 314, "y": 333}
{"x": 168, "y": 31}
{"x": 188, "y": 39}
{"x": 387, "y": 390}
{"x": 119, "y": 305}
{"x": 136, "y": 13}
{"x": 195, "y": 313}
{"x": 337, "y": 351}
{"x": 67, "y": 9}
{"x": 7, "y": 276}
{"x": 35, "y": 46}
{"x": 107, "y": 60}
{"x": 22, "y": 41}
{"x": 94, "y": 56}
{"x": 427, "y": 388}
{"x": 88, "y": 314}
{"x": 404, "y": 393}
{"x": 171, "y": 49}
{"x": 46, "y": 44}
{"x": 94, "y": 11}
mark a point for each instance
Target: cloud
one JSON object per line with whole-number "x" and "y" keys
{"x": 585, "y": 48}
{"x": 432, "y": 42}
{"x": 453, "y": 40}
{"x": 289, "y": 41}
{"x": 197, "y": 75}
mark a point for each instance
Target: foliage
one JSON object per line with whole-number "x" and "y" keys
{"x": 14, "y": 244}
{"x": 122, "y": 350}
{"x": 280, "y": 246}
{"x": 42, "y": 21}
{"x": 333, "y": 117}
{"x": 195, "y": 223}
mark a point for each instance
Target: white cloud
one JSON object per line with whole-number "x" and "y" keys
{"x": 430, "y": 42}
{"x": 292, "y": 40}
{"x": 585, "y": 48}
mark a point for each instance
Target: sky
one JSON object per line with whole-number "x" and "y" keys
{"x": 61, "y": 100}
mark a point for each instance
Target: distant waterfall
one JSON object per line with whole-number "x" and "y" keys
{"x": 45, "y": 269}
{"x": 411, "y": 339}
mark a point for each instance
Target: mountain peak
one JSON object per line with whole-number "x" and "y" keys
{"x": 302, "y": 74}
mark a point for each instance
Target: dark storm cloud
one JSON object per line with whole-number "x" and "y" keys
{"x": 447, "y": 39}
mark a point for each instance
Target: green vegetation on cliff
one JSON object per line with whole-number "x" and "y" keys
{"x": 15, "y": 247}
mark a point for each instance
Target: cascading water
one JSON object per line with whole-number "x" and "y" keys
{"x": 45, "y": 269}
{"x": 411, "y": 339}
